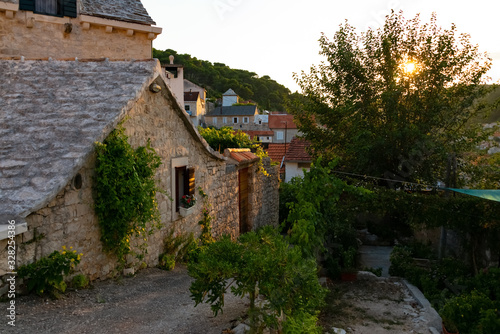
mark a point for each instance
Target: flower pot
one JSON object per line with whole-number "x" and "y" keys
{"x": 184, "y": 212}
{"x": 348, "y": 276}
{"x": 445, "y": 331}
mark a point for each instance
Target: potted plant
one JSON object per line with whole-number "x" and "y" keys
{"x": 349, "y": 272}
{"x": 187, "y": 205}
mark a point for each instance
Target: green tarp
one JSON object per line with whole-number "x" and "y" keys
{"x": 493, "y": 195}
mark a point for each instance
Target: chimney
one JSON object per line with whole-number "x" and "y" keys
{"x": 171, "y": 57}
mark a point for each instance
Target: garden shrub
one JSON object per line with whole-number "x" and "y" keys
{"x": 80, "y": 281}
{"x": 468, "y": 311}
{"x": 47, "y": 274}
{"x": 262, "y": 264}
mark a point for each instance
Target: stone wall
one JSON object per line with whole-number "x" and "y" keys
{"x": 264, "y": 196}
{"x": 69, "y": 219}
{"x": 43, "y": 39}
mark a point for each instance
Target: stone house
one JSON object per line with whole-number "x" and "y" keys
{"x": 283, "y": 127}
{"x": 239, "y": 117}
{"x": 55, "y": 107}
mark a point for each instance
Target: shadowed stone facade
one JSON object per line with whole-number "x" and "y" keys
{"x": 64, "y": 216}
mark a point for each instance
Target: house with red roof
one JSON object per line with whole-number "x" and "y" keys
{"x": 297, "y": 158}
{"x": 283, "y": 127}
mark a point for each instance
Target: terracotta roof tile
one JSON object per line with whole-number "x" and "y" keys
{"x": 277, "y": 121}
{"x": 276, "y": 153}
{"x": 241, "y": 155}
{"x": 191, "y": 96}
{"x": 297, "y": 150}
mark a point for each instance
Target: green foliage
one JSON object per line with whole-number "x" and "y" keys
{"x": 125, "y": 193}
{"x": 376, "y": 271}
{"x": 364, "y": 106}
{"x": 47, "y": 274}
{"x": 188, "y": 201}
{"x": 474, "y": 219}
{"x": 217, "y": 78}
{"x": 483, "y": 170}
{"x": 206, "y": 237}
{"x": 471, "y": 313}
{"x": 349, "y": 259}
{"x": 80, "y": 281}
{"x": 313, "y": 210}
{"x": 177, "y": 248}
{"x": 226, "y": 137}
{"x": 260, "y": 263}
{"x": 166, "y": 261}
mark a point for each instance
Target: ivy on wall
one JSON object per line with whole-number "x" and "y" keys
{"x": 125, "y": 193}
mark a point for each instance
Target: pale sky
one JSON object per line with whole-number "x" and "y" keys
{"x": 279, "y": 37}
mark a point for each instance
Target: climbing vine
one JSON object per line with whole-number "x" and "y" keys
{"x": 125, "y": 193}
{"x": 206, "y": 237}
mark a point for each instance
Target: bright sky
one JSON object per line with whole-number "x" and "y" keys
{"x": 280, "y": 37}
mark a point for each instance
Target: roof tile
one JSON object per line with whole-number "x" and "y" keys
{"x": 248, "y": 110}
{"x": 297, "y": 151}
{"x": 281, "y": 121}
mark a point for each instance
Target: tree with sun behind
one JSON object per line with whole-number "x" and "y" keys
{"x": 394, "y": 102}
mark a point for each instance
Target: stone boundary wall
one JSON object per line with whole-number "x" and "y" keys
{"x": 264, "y": 196}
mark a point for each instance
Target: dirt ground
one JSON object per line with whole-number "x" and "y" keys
{"x": 373, "y": 305}
{"x": 156, "y": 301}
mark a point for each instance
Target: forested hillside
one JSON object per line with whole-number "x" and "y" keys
{"x": 217, "y": 78}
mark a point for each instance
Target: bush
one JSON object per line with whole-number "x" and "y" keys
{"x": 167, "y": 262}
{"x": 80, "y": 282}
{"x": 260, "y": 263}
{"x": 47, "y": 274}
{"x": 468, "y": 313}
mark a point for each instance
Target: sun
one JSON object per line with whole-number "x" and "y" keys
{"x": 409, "y": 67}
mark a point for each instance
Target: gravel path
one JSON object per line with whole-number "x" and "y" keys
{"x": 153, "y": 301}
{"x": 156, "y": 301}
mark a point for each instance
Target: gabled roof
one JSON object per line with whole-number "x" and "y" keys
{"x": 52, "y": 113}
{"x": 297, "y": 151}
{"x": 230, "y": 92}
{"x": 120, "y": 10}
{"x": 191, "y": 96}
{"x": 249, "y": 110}
{"x": 281, "y": 121}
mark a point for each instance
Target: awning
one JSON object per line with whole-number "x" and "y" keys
{"x": 492, "y": 194}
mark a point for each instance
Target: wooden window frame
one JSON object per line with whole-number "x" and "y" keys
{"x": 183, "y": 181}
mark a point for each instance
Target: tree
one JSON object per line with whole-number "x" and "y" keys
{"x": 260, "y": 263}
{"x": 396, "y": 101}
{"x": 226, "y": 137}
